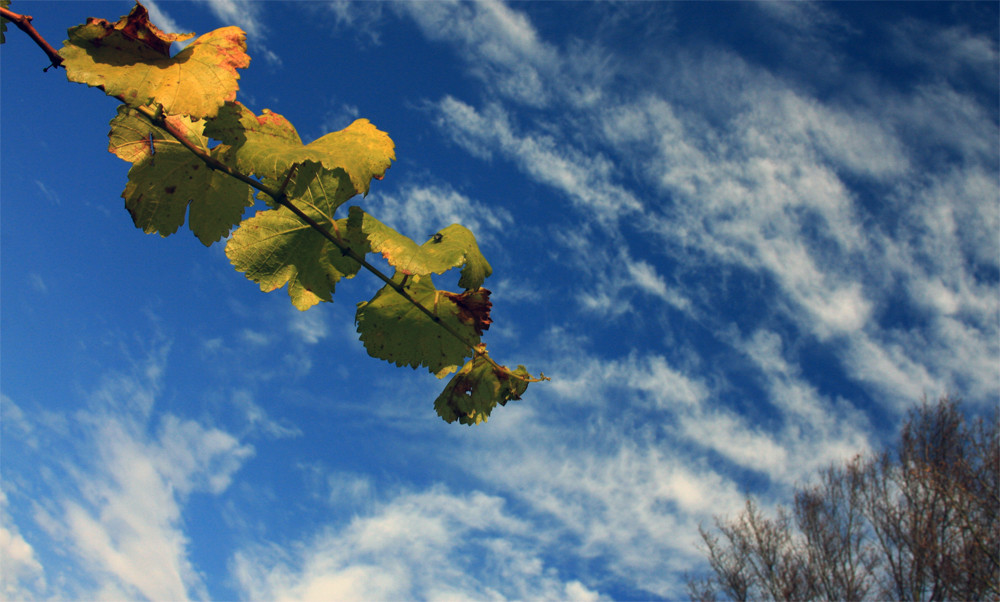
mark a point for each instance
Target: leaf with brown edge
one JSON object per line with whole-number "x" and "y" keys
{"x": 473, "y": 308}
{"x": 130, "y": 60}
{"x": 473, "y": 392}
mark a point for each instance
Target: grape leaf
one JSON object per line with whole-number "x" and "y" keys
{"x": 131, "y": 60}
{"x": 393, "y": 329}
{"x": 268, "y": 146}
{"x": 275, "y": 247}
{"x": 166, "y": 179}
{"x": 477, "y": 388}
{"x": 451, "y": 247}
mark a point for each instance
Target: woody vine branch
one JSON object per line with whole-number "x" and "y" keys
{"x": 279, "y": 196}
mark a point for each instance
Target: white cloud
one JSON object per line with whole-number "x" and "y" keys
{"x": 38, "y": 283}
{"x": 814, "y": 431}
{"x": 258, "y": 420}
{"x": 310, "y": 326}
{"x": 840, "y": 209}
{"x": 338, "y": 118}
{"x": 116, "y": 510}
{"x": 50, "y": 195}
{"x": 615, "y": 275}
{"x": 599, "y": 456}
{"x": 162, "y": 20}
{"x": 254, "y": 338}
{"x": 500, "y": 45}
{"x": 759, "y": 177}
{"x": 124, "y": 525}
{"x": 21, "y": 575}
{"x": 607, "y": 490}
{"x": 15, "y": 421}
{"x": 429, "y": 545}
{"x": 359, "y": 17}
{"x": 421, "y": 210}
{"x": 954, "y": 51}
{"x": 243, "y": 13}
{"x": 587, "y": 180}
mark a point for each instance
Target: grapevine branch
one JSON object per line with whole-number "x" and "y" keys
{"x": 279, "y": 196}
{"x": 23, "y": 23}
{"x": 282, "y": 199}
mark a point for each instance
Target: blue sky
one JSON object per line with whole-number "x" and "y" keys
{"x": 743, "y": 239}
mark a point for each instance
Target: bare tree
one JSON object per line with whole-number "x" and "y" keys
{"x": 917, "y": 523}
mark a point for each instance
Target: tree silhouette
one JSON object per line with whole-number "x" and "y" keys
{"x": 918, "y": 522}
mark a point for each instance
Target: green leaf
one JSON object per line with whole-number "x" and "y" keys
{"x": 393, "y": 329}
{"x": 477, "y": 388}
{"x": 166, "y": 179}
{"x": 275, "y": 248}
{"x": 451, "y": 247}
{"x": 131, "y": 60}
{"x": 268, "y": 146}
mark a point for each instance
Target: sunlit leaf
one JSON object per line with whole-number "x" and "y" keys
{"x": 395, "y": 330}
{"x": 477, "y": 388}
{"x": 450, "y": 247}
{"x": 166, "y": 179}
{"x": 130, "y": 59}
{"x": 275, "y": 248}
{"x": 268, "y": 146}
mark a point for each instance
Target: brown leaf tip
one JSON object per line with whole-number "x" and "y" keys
{"x": 473, "y": 308}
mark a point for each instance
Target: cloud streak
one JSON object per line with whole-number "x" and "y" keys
{"x": 117, "y": 512}
{"x": 431, "y": 544}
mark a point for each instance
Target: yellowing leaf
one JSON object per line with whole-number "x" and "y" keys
{"x": 166, "y": 179}
{"x": 131, "y": 60}
{"x": 268, "y": 146}
{"x": 393, "y": 329}
{"x": 451, "y": 247}
{"x": 275, "y": 248}
{"x": 477, "y": 388}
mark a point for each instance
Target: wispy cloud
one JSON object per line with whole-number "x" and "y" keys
{"x": 117, "y": 512}
{"x": 258, "y": 420}
{"x": 586, "y": 179}
{"x": 162, "y": 20}
{"x": 765, "y": 180}
{"x": 309, "y": 326}
{"x": 21, "y": 574}
{"x": 245, "y": 14}
{"x": 499, "y": 44}
{"x": 419, "y": 210}
{"x": 357, "y": 17}
{"x": 431, "y": 544}
{"x": 833, "y": 206}
{"x": 959, "y": 54}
